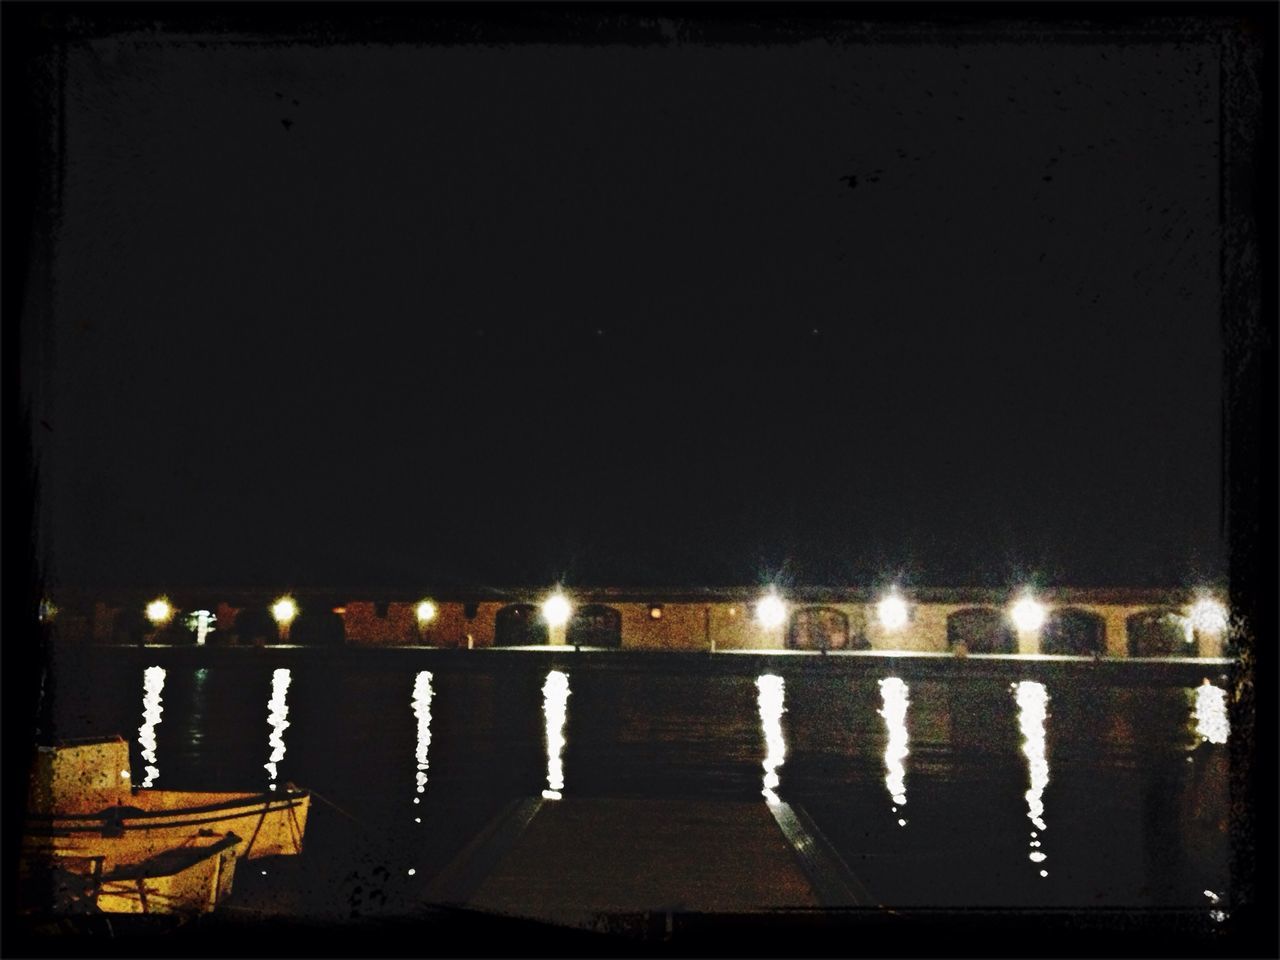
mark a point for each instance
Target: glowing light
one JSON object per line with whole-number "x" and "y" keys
{"x": 426, "y": 611}
{"x": 892, "y": 611}
{"x": 1210, "y": 713}
{"x": 655, "y": 612}
{"x": 1032, "y": 712}
{"x": 277, "y": 712}
{"x": 1028, "y": 615}
{"x": 422, "y": 694}
{"x": 555, "y": 699}
{"x": 556, "y": 610}
{"x": 412, "y": 871}
{"x": 159, "y": 612}
{"x": 200, "y": 621}
{"x": 894, "y": 711}
{"x": 152, "y": 684}
{"x": 772, "y": 703}
{"x": 770, "y": 611}
{"x": 284, "y": 610}
{"x": 1208, "y": 616}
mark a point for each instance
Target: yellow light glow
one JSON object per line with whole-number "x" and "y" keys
{"x": 159, "y": 611}
{"x": 426, "y": 611}
{"x": 284, "y": 610}
{"x": 655, "y": 612}
{"x": 1208, "y": 616}
{"x": 1028, "y": 615}
{"x": 770, "y": 611}
{"x": 892, "y": 611}
{"x": 556, "y": 610}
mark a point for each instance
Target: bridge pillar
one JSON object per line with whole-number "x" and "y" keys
{"x": 1117, "y": 636}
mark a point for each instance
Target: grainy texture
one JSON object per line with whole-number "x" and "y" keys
{"x": 582, "y": 857}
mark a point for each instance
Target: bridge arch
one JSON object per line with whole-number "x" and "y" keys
{"x": 519, "y": 625}
{"x": 595, "y": 625}
{"x": 1159, "y": 632}
{"x": 981, "y": 630}
{"x": 130, "y": 625}
{"x": 825, "y": 628}
{"x": 318, "y": 628}
{"x": 255, "y": 625}
{"x": 1070, "y": 630}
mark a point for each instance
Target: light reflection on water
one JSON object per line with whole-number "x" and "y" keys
{"x": 152, "y": 684}
{"x": 1210, "y": 713}
{"x": 555, "y": 699}
{"x": 422, "y": 694}
{"x": 1136, "y": 794}
{"x": 772, "y": 704}
{"x": 277, "y": 711}
{"x": 894, "y": 693}
{"x": 1032, "y": 711}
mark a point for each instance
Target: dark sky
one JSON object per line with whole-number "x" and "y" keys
{"x": 941, "y": 306}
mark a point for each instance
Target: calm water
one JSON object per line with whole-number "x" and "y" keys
{"x": 937, "y": 793}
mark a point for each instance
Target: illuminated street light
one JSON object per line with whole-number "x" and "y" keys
{"x": 770, "y": 611}
{"x": 1028, "y": 615}
{"x": 284, "y": 610}
{"x": 159, "y": 612}
{"x": 426, "y": 612}
{"x": 892, "y": 611}
{"x": 556, "y": 610}
{"x": 1208, "y": 616}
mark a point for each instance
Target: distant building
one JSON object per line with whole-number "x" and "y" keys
{"x": 1058, "y": 621}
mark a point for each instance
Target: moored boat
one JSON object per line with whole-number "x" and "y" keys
{"x": 82, "y": 806}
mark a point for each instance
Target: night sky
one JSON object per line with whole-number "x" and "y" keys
{"x": 938, "y": 306}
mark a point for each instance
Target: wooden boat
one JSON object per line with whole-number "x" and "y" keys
{"x": 192, "y": 879}
{"x": 83, "y": 806}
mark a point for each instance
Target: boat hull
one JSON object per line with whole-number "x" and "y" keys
{"x": 188, "y": 880}
{"x": 154, "y": 821}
